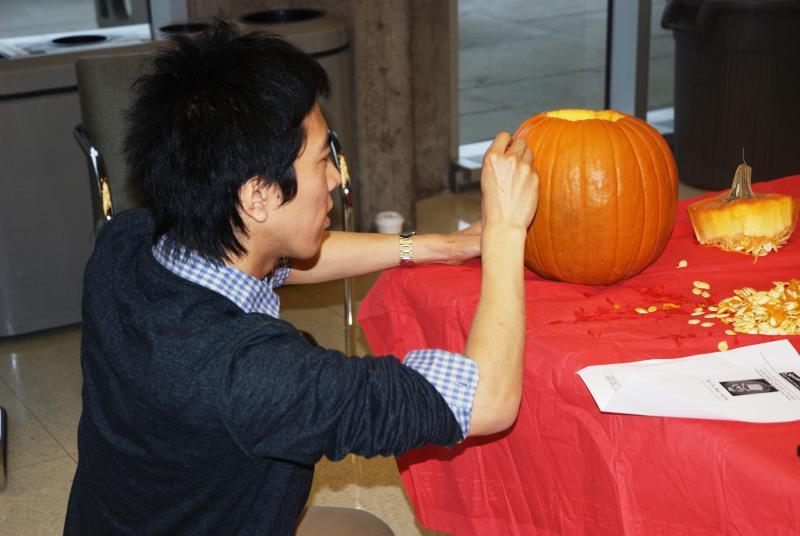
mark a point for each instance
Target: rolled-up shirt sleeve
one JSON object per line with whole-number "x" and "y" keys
{"x": 281, "y": 397}
{"x": 454, "y": 376}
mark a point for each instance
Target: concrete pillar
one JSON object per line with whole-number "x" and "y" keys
{"x": 434, "y": 78}
{"x": 384, "y": 108}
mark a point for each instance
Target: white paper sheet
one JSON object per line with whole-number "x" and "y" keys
{"x": 758, "y": 383}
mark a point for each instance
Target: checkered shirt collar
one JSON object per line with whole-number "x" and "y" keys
{"x": 250, "y": 294}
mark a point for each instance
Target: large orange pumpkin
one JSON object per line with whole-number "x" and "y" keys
{"x": 608, "y": 191}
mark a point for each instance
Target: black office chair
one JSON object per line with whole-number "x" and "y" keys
{"x": 104, "y": 84}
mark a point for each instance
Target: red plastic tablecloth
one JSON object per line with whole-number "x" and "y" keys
{"x": 567, "y": 468}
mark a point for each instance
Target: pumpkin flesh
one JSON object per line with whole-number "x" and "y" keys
{"x": 742, "y": 221}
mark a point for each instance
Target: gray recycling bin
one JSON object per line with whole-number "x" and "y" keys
{"x": 737, "y": 74}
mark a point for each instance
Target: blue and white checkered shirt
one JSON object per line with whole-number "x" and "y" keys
{"x": 455, "y": 376}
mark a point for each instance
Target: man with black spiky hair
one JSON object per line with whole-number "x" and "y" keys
{"x": 203, "y": 412}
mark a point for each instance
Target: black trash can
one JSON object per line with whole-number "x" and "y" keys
{"x": 737, "y": 86}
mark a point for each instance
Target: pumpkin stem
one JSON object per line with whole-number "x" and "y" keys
{"x": 742, "y": 184}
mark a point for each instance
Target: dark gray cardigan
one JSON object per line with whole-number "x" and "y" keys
{"x": 199, "y": 418}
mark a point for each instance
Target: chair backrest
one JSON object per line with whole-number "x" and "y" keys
{"x": 104, "y": 84}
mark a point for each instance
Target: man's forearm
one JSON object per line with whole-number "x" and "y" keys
{"x": 496, "y": 338}
{"x": 351, "y": 254}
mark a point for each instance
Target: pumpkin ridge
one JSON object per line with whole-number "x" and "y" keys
{"x": 527, "y": 125}
{"x": 654, "y": 236}
{"x": 539, "y": 237}
{"x": 668, "y": 180}
{"x": 549, "y": 234}
{"x": 536, "y": 250}
{"x": 643, "y": 189}
{"x": 610, "y": 134}
{"x": 668, "y": 165}
{"x": 582, "y": 184}
{"x": 671, "y": 187}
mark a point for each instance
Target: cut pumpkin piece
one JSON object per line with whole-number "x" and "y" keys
{"x": 743, "y": 221}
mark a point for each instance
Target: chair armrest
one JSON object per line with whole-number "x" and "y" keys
{"x": 98, "y": 170}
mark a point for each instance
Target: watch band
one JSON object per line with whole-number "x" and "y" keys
{"x": 407, "y": 249}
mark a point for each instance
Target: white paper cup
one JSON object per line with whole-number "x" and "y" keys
{"x": 389, "y": 222}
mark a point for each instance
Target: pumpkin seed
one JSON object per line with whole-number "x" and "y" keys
{"x": 766, "y": 312}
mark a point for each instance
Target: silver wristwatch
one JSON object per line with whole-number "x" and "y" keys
{"x": 407, "y": 249}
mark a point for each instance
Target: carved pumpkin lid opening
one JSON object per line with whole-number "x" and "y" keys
{"x": 582, "y": 115}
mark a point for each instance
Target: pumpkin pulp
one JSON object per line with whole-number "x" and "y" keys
{"x": 583, "y": 115}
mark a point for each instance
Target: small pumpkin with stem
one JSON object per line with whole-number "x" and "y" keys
{"x": 743, "y": 221}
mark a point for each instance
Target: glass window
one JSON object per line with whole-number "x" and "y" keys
{"x": 661, "y": 84}
{"x": 37, "y": 17}
{"x": 521, "y": 57}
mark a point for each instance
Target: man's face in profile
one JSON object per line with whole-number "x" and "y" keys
{"x": 303, "y": 220}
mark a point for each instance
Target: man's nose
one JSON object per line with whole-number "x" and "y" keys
{"x": 333, "y": 176}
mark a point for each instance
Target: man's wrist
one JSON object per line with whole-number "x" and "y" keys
{"x": 499, "y": 236}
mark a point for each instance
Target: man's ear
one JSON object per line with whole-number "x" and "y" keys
{"x": 257, "y": 199}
